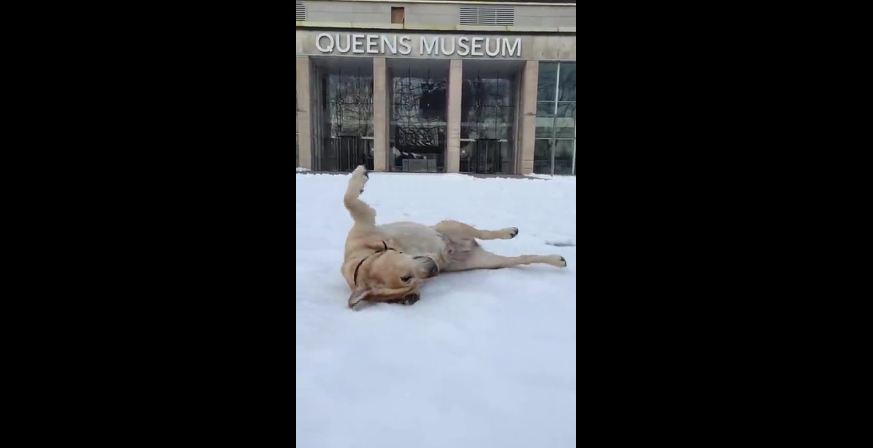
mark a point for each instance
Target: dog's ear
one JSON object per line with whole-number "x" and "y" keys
{"x": 358, "y": 295}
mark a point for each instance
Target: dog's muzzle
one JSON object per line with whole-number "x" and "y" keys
{"x": 433, "y": 268}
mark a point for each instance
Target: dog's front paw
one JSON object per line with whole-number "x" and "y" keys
{"x": 509, "y": 233}
{"x": 359, "y": 179}
{"x": 361, "y": 170}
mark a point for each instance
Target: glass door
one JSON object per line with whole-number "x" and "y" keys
{"x": 486, "y": 157}
{"x": 345, "y": 153}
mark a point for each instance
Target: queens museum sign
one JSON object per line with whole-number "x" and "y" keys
{"x": 393, "y": 45}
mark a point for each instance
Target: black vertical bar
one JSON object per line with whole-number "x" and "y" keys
{"x": 485, "y": 157}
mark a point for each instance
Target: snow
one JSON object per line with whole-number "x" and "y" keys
{"x": 485, "y": 359}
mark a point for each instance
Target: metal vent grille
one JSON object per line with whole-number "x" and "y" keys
{"x": 301, "y": 11}
{"x": 475, "y": 15}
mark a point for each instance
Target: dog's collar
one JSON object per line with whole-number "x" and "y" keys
{"x": 385, "y": 248}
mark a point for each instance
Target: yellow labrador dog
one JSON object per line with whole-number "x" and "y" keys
{"x": 389, "y": 263}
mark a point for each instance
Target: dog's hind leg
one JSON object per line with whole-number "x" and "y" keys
{"x": 459, "y": 230}
{"x": 360, "y": 211}
{"x": 481, "y": 259}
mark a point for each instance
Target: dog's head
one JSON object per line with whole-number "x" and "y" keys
{"x": 388, "y": 275}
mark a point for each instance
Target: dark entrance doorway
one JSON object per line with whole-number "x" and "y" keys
{"x": 488, "y": 103}
{"x": 417, "y": 132}
{"x": 346, "y": 153}
{"x": 343, "y": 89}
{"x": 482, "y": 156}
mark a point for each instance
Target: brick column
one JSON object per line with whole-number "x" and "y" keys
{"x": 380, "y": 114}
{"x": 528, "y": 105}
{"x": 304, "y": 117}
{"x": 453, "y": 117}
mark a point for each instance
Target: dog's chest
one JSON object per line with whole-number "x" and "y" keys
{"x": 416, "y": 239}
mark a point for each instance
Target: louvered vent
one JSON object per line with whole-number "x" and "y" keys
{"x": 475, "y": 15}
{"x": 301, "y": 11}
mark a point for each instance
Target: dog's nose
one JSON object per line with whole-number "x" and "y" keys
{"x": 434, "y": 268}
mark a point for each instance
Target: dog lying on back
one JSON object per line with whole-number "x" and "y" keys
{"x": 389, "y": 263}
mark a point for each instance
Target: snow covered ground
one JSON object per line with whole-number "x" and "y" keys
{"x": 485, "y": 359}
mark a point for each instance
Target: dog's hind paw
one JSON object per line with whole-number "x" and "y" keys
{"x": 556, "y": 261}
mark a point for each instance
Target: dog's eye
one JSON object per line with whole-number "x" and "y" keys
{"x": 405, "y": 278}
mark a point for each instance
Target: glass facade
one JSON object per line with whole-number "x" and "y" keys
{"x": 418, "y": 121}
{"x": 555, "y": 137}
{"x": 297, "y": 133}
{"x": 342, "y": 126}
{"x": 487, "y": 116}
{"x": 348, "y": 120}
{"x": 349, "y": 104}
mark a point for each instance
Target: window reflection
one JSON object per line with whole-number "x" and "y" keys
{"x": 546, "y": 109}
{"x": 556, "y": 120}
{"x": 546, "y": 81}
{"x": 346, "y": 125}
{"x": 567, "y": 84}
{"x": 418, "y": 121}
{"x": 349, "y": 104}
{"x": 543, "y": 156}
{"x": 563, "y": 156}
{"x": 486, "y": 108}
{"x": 565, "y": 120}
{"x": 487, "y": 119}
{"x": 545, "y": 127}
